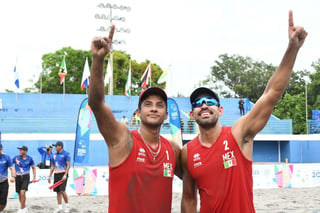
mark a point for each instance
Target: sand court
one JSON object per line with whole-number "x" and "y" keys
{"x": 279, "y": 200}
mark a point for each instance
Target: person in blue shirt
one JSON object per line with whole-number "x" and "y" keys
{"x": 60, "y": 165}
{"x": 23, "y": 163}
{"x": 46, "y": 155}
{"x": 5, "y": 163}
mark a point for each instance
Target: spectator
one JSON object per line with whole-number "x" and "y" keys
{"x": 124, "y": 120}
{"x": 241, "y": 106}
{"x": 134, "y": 121}
{"x": 182, "y": 125}
{"x": 4, "y": 185}
{"x": 190, "y": 126}
{"x": 23, "y": 162}
{"x": 138, "y": 120}
{"x": 46, "y": 155}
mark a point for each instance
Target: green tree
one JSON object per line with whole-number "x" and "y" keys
{"x": 292, "y": 107}
{"x": 51, "y": 62}
{"x": 242, "y": 75}
{"x": 314, "y": 87}
{"x": 246, "y": 77}
{"x": 49, "y": 80}
{"x": 238, "y": 76}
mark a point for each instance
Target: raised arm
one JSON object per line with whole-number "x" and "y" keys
{"x": 246, "y": 128}
{"x": 116, "y": 135}
{"x": 41, "y": 150}
{"x": 189, "y": 193}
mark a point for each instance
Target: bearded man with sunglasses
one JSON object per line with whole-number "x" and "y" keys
{"x": 218, "y": 162}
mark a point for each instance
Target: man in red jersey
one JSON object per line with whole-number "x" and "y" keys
{"x": 218, "y": 162}
{"x": 141, "y": 162}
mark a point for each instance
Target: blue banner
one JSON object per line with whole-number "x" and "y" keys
{"x": 315, "y": 123}
{"x": 81, "y": 148}
{"x": 247, "y": 106}
{"x": 175, "y": 123}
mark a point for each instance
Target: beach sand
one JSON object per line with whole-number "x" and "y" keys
{"x": 281, "y": 200}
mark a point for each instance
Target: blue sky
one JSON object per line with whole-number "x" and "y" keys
{"x": 186, "y": 35}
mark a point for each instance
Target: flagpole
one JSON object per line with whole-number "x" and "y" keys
{"x": 62, "y": 73}
{"x": 40, "y": 90}
{"x": 16, "y": 79}
{"x": 111, "y": 74}
{"x": 170, "y": 81}
{"x": 150, "y": 76}
{"x": 64, "y": 89}
{"x": 112, "y": 18}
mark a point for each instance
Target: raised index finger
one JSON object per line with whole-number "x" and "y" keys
{"x": 290, "y": 19}
{"x": 111, "y": 32}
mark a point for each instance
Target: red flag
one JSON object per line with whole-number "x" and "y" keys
{"x": 146, "y": 77}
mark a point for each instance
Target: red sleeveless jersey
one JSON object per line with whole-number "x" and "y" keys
{"x": 223, "y": 175}
{"x": 140, "y": 184}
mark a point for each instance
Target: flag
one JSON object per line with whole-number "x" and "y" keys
{"x": 63, "y": 70}
{"x": 85, "y": 75}
{"x": 146, "y": 77}
{"x": 16, "y": 77}
{"x": 164, "y": 76}
{"x": 108, "y": 74}
{"x": 81, "y": 147}
{"x": 175, "y": 123}
{"x": 127, "y": 90}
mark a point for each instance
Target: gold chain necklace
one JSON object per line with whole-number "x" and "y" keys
{"x": 154, "y": 154}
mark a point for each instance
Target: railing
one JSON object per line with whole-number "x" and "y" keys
{"x": 68, "y": 125}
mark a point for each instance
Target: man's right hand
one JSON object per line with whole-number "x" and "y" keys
{"x": 297, "y": 34}
{"x": 100, "y": 47}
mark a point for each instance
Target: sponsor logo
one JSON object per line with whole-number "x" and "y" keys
{"x": 142, "y": 160}
{"x": 196, "y": 160}
{"x": 142, "y": 152}
{"x": 196, "y": 157}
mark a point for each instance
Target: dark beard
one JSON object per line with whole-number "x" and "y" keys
{"x": 207, "y": 124}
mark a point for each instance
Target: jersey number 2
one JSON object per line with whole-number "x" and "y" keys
{"x": 225, "y": 145}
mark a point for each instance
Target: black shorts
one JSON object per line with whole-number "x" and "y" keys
{"x": 22, "y": 182}
{"x": 4, "y": 188}
{"x": 43, "y": 166}
{"x": 61, "y": 187}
